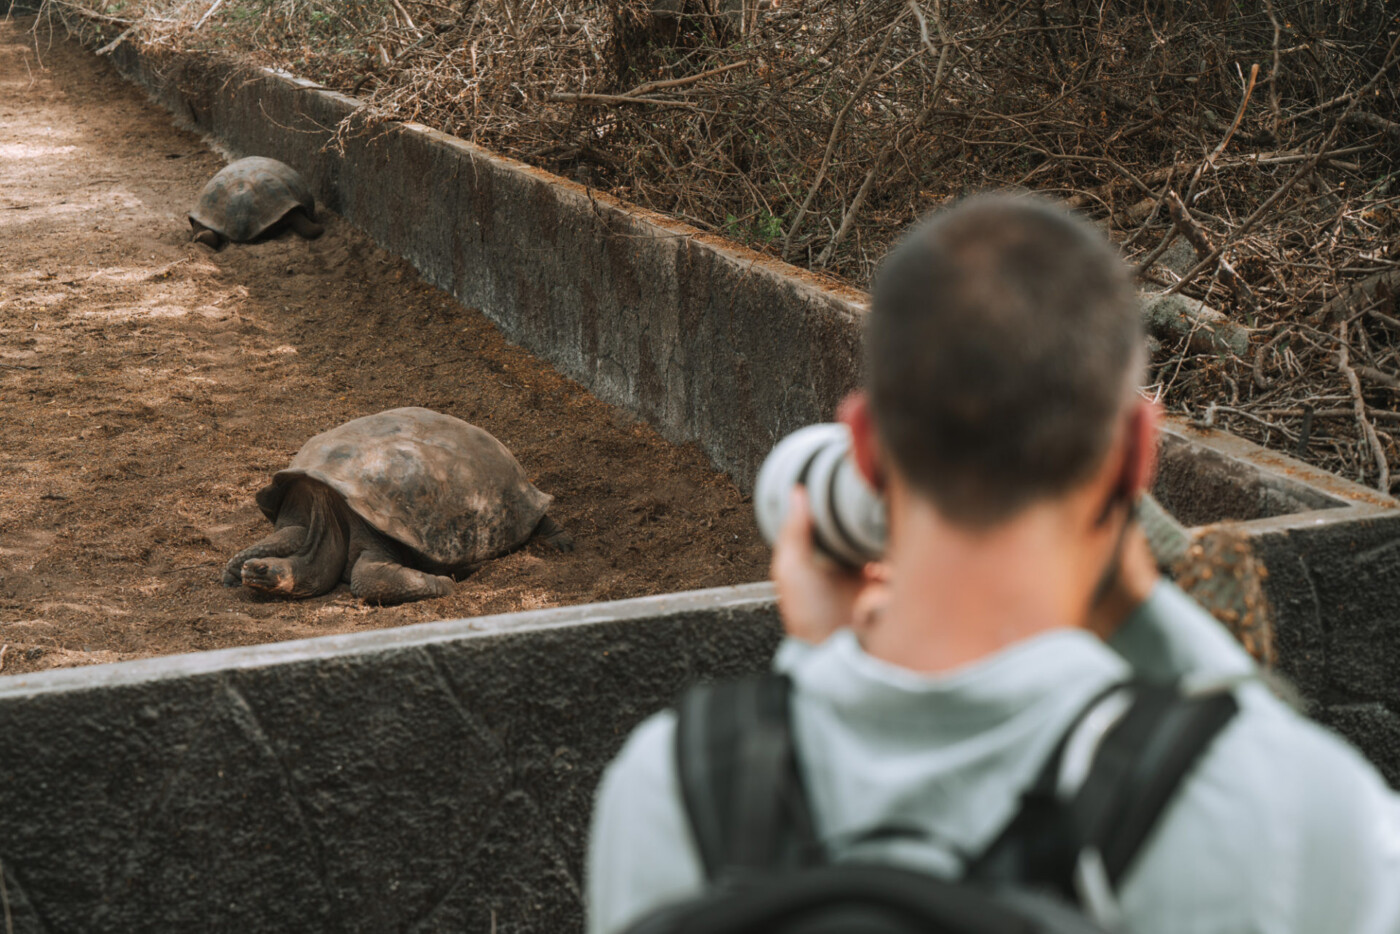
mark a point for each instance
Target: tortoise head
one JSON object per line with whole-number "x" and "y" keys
{"x": 210, "y": 238}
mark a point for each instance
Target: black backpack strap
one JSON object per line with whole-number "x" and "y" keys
{"x": 1153, "y": 763}
{"x": 1101, "y": 792}
{"x": 739, "y": 777}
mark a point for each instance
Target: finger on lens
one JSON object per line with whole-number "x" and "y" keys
{"x": 798, "y": 521}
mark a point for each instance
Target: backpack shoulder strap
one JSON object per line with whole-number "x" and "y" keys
{"x": 739, "y": 777}
{"x": 1153, "y": 756}
{"x": 1101, "y": 792}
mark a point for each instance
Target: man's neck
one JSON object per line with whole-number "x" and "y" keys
{"x": 959, "y": 595}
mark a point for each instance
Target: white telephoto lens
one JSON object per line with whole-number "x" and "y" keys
{"x": 849, "y": 517}
{"x": 785, "y": 467}
{"x": 861, "y": 511}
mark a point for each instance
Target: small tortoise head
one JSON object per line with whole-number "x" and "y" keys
{"x": 270, "y": 576}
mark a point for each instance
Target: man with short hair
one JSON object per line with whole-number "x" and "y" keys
{"x": 1003, "y": 425}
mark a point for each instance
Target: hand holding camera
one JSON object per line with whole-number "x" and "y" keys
{"x": 826, "y": 526}
{"x": 847, "y": 516}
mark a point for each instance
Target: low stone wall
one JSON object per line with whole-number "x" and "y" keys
{"x": 437, "y": 777}
{"x": 1334, "y": 585}
{"x": 1332, "y": 548}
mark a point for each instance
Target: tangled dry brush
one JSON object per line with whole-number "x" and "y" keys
{"x": 1241, "y": 152}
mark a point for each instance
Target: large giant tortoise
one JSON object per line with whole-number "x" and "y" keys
{"x": 251, "y": 198}
{"x": 395, "y": 504}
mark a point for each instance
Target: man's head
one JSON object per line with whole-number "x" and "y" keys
{"x": 1004, "y": 347}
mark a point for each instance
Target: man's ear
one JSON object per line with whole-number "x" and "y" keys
{"x": 1140, "y": 446}
{"x": 854, "y": 413}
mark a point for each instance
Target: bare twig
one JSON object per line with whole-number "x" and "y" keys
{"x": 1367, "y": 429}
{"x": 1378, "y": 376}
{"x": 1200, "y": 240}
{"x": 1229, "y": 134}
{"x": 111, "y": 47}
{"x": 1274, "y": 109}
{"x": 208, "y": 13}
{"x": 618, "y": 99}
{"x": 689, "y": 79}
{"x": 1389, "y": 127}
{"x": 406, "y": 18}
{"x": 834, "y": 137}
{"x": 1363, "y": 296}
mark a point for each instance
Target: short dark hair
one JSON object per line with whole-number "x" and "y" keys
{"x": 1003, "y": 339}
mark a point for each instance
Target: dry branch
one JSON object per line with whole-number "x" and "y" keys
{"x": 1229, "y": 134}
{"x": 1200, "y": 240}
{"x": 1375, "y": 122}
{"x": 213, "y": 8}
{"x": 1362, "y": 296}
{"x": 1378, "y": 376}
{"x": 1378, "y": 452}
{"x": 689, "y": 79}
{"x": 618, "y": 99}
{"x": 1206, "y": 330}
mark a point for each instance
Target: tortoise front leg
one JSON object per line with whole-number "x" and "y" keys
{"x": 281, "y": 543}
{"x": 305, "y": 226}
{"x": 318, "y": 563}
{"x": 378, "y": 577}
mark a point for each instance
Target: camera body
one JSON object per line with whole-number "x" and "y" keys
{"x": 848, "y": 515}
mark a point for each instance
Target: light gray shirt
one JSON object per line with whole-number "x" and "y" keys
{"x": 1281, "y": 827}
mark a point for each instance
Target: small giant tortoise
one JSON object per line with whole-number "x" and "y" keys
{"x": 397, "y": 505}
{"x": 251, "y": 198}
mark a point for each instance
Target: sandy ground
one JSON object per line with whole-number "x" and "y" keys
{"x": 149, "y": 387}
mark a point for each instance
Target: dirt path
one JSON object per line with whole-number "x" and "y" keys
{"x": 148, "y": 388}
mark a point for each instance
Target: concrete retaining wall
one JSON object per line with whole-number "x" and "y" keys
{"x": 436, "y": 777}
{"x": 1332, "y": 548}
{"x": 439, "y": 777}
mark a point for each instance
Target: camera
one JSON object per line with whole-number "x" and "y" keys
{"x": 848, "y": 515}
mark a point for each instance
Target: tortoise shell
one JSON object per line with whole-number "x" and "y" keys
{"x": 249, "y": 196}
{"x": 446, "y": 489}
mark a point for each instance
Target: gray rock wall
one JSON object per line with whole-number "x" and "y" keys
{"x": 1332, "y": 549}
{"x": 431, "y": 778}
{"x": 1334, "y": 586}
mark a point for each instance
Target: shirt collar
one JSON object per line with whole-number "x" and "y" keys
{"x": 993, "y": 689}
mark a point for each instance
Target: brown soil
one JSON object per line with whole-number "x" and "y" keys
{"x": 149, "y": 387}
